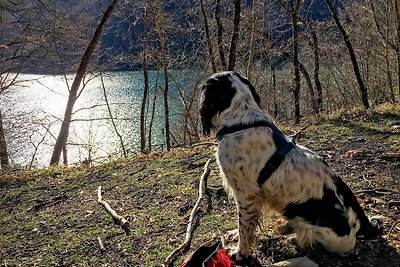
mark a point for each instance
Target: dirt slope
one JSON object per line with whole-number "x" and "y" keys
{"x": 50, "y": 217}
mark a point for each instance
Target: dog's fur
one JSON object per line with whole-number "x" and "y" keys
{"x": 319, "y": 206}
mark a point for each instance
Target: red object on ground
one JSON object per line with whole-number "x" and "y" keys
{"x": 208, "y": 256}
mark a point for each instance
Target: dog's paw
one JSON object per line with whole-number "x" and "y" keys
{"x": 377, "y": 224}
{"x": 232, "y": 235}
{"x": 237, "y": 256}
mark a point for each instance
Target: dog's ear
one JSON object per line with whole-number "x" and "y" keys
{"x": 256, "y": 97}
{"x": 216, "y": 96}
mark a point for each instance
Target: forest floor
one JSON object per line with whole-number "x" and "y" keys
{"x": 50, "y": 217}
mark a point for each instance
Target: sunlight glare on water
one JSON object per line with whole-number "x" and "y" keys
{"x": 34, "y": 109}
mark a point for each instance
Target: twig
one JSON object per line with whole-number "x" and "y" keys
{"x": 101, "y": 245}
{"x": 381, "y": 192}
{"x": 117, "y": 218}
{"x": 391, "y": 228}
{"x": 189, "y": 230}
{"x": 139, "y": 170}
{"x": 296, "y": 135}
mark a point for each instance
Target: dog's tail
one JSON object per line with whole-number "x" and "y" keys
{"x": 368, "y": 229}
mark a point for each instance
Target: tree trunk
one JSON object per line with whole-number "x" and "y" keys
{"x": 296, "y": 89}
{"x": 386, "y": 44}
{"x": 397, "y": 11}
{"x": 361, "y": 85}
{"x": 252, "y": 41}
{"x": 153, "y": 111}
{"x": 64, "y": 131}
{"x": 165, "y": 72}
{"x": 274, "y": 89}
{"x": 235, "y": 36}
{"x": 220, "y": 30}
{"x": 112, "y": 118}
{"x": 146, "y": 84}
{"x": 301, "y": 68}
{"x": 4, "y": 162}
{"x": 387, "y": 56}
{"x": 318, "y": 87}
{"x": 207, "y": 31}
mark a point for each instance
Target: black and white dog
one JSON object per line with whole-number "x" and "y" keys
{"x": 263, "y": 169}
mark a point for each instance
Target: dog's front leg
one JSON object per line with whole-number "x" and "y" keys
{"x": 249, "y": 211}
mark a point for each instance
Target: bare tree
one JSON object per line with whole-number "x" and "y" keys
{"x": 361, "y": 85}
{"x": 235, "y": 36}
{"x": 121, "y": 141}
{"x": 208, "y": 37}
{"x": 220, "y": 30}
{"x": 74, "y": 92}
{"x": 294, "y": 7}
{"x": 397, "y": 14}
{"x": 4, "y": 162}
{"x": 250, "y": 62}
{"x": 161, "y": 33}
{"x": 146, "y": 79}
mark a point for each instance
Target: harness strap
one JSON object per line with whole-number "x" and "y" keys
{"x": 283, "y": 146}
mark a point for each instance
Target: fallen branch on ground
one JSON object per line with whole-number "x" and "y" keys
{"x": 117, "y": 218}
{"x": 101, "y": 245}
{"x": 296, "y": 136}
{"x": 381, "y": 191}
{"x": 392, "y": 227}
{"x": 189, "y": 230}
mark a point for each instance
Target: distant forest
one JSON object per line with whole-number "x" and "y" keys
{"x": 304, "y": 57}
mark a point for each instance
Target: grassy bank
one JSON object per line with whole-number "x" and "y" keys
{"x": 50, "y": 217}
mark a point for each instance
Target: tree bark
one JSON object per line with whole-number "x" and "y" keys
{"x": 296, "y": 89}
{"x": 397, "y": 11}
{"x": 317, "y": 81}
{"x": 146, "y": 84}
{"x": 252, "y": 41}
{"x": 207, "y": 31}
{"x": 4, "y": 162}
{"x": 73, "y": 94}
{"x": 153, "y": 111}
{"x": 220, "y": 30}
{"x": 235, "y": 36}
{"x": 273, "y": 73}
{"x": 165, "y": 72}
{"x": 361, "y": 85}
{"x": 387, "y": 56}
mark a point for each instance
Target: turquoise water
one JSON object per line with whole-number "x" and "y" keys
{"x": 32, "y": 112}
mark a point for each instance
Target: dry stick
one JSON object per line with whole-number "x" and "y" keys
{"x": 296, "y": 136}
{"x": 391, "y": 228}
{"x": 189, "y": 230}
{"x": 117, "y": 218}
{"x": 101, "y": 245}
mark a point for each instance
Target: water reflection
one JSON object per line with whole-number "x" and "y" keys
{"x": 33, "y": 110}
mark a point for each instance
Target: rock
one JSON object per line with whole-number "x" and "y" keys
{"x": 295, "y": 262}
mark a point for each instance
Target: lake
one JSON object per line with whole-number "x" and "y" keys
{"x": 33, "y": 110}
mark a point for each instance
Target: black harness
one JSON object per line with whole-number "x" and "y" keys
{"x": 283, "y": 146}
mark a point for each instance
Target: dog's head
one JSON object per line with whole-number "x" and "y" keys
{"x": 217, "y": 93}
